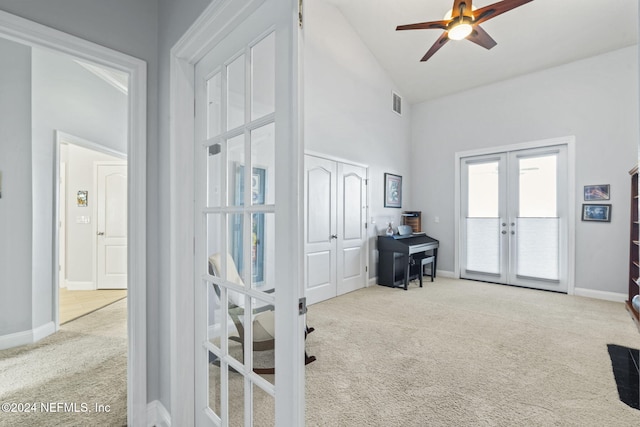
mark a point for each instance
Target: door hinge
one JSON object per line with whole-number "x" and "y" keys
{"x": 366, "y": 268}
{"x": 366, "y": 225}
{"x": 300, "y": 13}
{"x": 302, "y": 306}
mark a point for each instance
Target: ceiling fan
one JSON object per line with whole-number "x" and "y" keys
{"x": 464, "y": 23}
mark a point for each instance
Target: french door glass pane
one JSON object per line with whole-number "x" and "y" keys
{"x": 235, "y": 171}
{"x": 484, "y": 190}
{"x": 214, "y": 383}
{"x": 263, "y": 157}
{"x": 483, "y": 245}
{"x": 538, "y": 187}
{"x": 483, "y": 223}
{"x": 262, "y": 251}
{"x": 264, "y": 338}
{"x": 264, "y": 408}
{"x": 214, "y": 105}
{"x": 235, "y": 93}
{"x": 214, "y": 175}
{"x": 235, "y": 240}
{"x": 236, "y": 399}
{"x": 263, "y": 77}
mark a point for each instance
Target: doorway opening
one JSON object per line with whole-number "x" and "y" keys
{"x": 45, "y": 281}
{"x": 92, "y": 226}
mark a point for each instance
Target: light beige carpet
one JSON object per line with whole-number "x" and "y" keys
{"x": 84, "y": 363}
{"x": 459, "y": 353}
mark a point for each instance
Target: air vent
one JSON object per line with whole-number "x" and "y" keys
{"x": 397, "y": 103}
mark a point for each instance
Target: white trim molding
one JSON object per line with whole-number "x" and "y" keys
{"x": 33, "y": 34}
{"x": 157, "y": 415}
{"x": 27, "y": 337}
{"x": 603, "y": 295}
{"x": 80, "y": 286}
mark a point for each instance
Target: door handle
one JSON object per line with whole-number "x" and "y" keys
{"x": 100, "y": 233}
{"x": 334, "y": 236}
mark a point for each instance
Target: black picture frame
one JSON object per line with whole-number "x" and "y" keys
{"x": 392, "y": 191}
{"x": 598, "y": 213}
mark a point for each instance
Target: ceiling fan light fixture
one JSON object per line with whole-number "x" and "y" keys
{"x": 460, "y": 28}
{"x": 459, "y": 31}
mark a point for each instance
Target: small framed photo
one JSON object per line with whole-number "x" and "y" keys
{"x": 600, "y": 213}
{"x": 392, "y": 191}
{"x": 82, "y": 198}
{"x": 596, "y": 192}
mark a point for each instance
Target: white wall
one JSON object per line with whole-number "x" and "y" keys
{"x": 347, "y": 110}
{"x": 595, "y": 99}
{"x": 15, "y": 205}
{"x": 80, "y": 236}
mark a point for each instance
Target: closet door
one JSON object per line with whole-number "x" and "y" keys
{"x": 335, "y": 228}
{"x": 320, "y": 231}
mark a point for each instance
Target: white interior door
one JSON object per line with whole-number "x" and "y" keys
{"x": 248, "y": 242}
{"x": 111, "y": 252}
{"x": 514, "y": 220}
{"x": 335, "y": 228}
{"x": 321, "y": 229}
{"x": 352, "y": 234}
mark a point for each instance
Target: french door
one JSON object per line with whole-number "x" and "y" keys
{"x": 247, "y": 250}
{"x": 514, "y": 218}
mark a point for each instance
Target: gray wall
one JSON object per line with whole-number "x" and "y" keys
{"x": 15, "y": 204}
{"x": 347, "y": 111}
{"x": 130, "y": 27}
{"x": 595, "y": 99}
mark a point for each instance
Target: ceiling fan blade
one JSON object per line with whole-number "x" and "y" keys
{"x": 437, "y": 45}
{"x": 493, "y": 10}
{"x": 455, "y": 11}
{"x": 433, "y": 25}
{"x": 480, "y": 37}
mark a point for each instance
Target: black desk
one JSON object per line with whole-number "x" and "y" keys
{"x": 400, "y": 257}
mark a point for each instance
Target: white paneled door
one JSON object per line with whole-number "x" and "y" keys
{"x": 335, "y": 228}
{"x": 514, "y": 218}
{"x": 111, "y": 222}
{"x": 248, "y": 246}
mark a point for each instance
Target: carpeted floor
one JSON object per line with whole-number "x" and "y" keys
{"x": 454, "y": 353}
{"x": 459, "y": 353}
{"x": 84, "y": 363}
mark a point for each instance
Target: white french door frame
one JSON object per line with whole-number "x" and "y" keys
{"x": 33, "y": 34}
{"x": 213, "y": 25}
{"x": 569, "y": 142}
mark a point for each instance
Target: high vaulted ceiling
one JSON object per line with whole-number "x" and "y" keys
{"x": 532, "y": 37}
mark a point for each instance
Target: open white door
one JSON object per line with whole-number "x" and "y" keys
{"x": 248, "y": 233}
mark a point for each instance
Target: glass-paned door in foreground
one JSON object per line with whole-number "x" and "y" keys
{"x": 514, "y": 218}
{"x": 246, "y": 287}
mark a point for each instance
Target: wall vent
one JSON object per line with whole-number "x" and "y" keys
{"x": 397, "y": 103}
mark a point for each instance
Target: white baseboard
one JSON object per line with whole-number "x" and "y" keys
{"x": 372, "y": 281}
{"x": 80, "y": 286}
{"x": 604, "y": 295}
{"x": 27, "y": 337}
{"x": 157, "y": 415}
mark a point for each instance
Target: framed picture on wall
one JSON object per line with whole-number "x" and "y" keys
{"x": 392, "y": 191}
{"x": 82, "y": 199}
{"x": 596, "y": 192}
{"x": 600, "y": 213}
